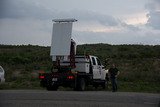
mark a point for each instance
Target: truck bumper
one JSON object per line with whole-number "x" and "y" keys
{"x": 63, "y": 82}
{"x": 60, "y": 79}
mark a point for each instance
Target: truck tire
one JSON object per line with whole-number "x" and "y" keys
{"x": 55, "y": 88}
{"x": 96, "y": 86}
{"x": 81, "y": 84}
{"x": 48, "y": 88}
{"x": 104, "y": 85}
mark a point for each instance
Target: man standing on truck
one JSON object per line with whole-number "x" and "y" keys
{"x": 113, "y": 73}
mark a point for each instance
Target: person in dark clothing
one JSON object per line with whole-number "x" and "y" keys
{"x": 113, "y": 73}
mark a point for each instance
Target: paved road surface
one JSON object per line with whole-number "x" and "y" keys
{"x": 42, "y": 98}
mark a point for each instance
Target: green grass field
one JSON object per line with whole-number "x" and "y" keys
{"x": 139, "y": 65}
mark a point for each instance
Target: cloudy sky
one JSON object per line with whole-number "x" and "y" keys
{"x": 99, "y": 21}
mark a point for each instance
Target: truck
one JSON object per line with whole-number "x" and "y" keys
{"x": 69, "y": 69}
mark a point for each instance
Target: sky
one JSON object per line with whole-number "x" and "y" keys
{"x": 25, "y": 22}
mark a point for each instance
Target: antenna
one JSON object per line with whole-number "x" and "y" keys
{"x": 64, "y": 20}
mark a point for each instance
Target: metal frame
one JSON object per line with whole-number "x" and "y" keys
{"x": 64, "y": 20}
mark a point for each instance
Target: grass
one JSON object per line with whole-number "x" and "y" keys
{"x": 20, "y": 85}
{"x": 138, "y": 65}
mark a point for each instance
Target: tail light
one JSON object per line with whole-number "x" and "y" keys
{"x": 41, "y": 74}
{"x": 70, "y": 77}
{"x": 41, "y": 77}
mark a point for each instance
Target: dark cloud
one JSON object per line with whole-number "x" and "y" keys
{"x": 23, "y": 22}
{"x": 154, "y": 14}
{"x": 27, "y": 9}
{"x": 22, "y": 9}
{"x": 89, "y": 16}
{"x": 105, "y": 20}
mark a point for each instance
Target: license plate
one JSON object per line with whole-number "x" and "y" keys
{"x": 54, "y": 79}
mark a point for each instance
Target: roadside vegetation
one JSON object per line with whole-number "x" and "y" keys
{"x": 139, "y": 65}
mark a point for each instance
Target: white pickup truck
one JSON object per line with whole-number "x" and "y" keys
{"x": 88, "y": 71}
{"x": 70, "y": 70}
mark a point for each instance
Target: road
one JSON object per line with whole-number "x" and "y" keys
{"x": 42, "y": 98}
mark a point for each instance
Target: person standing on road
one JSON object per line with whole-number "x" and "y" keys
{"x": 113, "y": 73}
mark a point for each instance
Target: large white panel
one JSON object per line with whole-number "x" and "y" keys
{"x": 61, "y": 39}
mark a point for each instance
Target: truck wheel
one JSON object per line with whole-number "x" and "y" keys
{"x": 48, "y": 88}
{"x": 95, "y": 86}
{"x": 104, "y": 85}
{"x": 55, "y": 88}
{"x": 81, "y": 84}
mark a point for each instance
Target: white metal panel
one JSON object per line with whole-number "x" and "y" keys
{"x": 61, "y": 39}
{"x": 82, "y": 67}
{"x": 82, "y": 64}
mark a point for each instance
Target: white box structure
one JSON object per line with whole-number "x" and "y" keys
{"x": 61, "y": 39}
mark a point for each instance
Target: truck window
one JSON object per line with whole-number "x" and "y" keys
{"x": 98, "y": 61}
{"x": 93, "y": 61}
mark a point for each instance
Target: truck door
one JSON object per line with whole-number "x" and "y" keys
{"x": 96, "y": 68}
{"x": 100, "y": 69}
